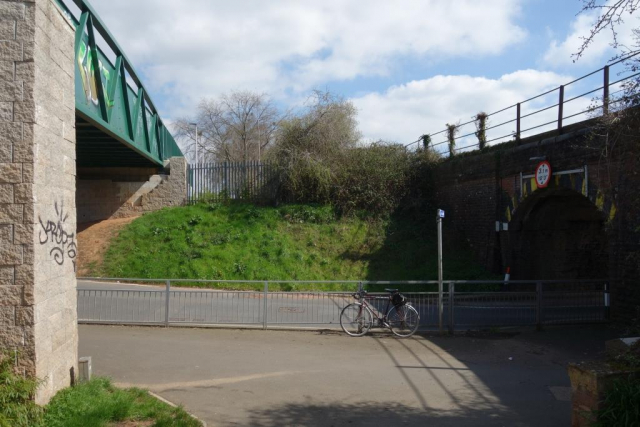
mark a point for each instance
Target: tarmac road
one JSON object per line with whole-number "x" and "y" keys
{"x": 241, "y": 377}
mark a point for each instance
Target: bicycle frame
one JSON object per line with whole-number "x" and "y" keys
{"x": 373, "y": 310}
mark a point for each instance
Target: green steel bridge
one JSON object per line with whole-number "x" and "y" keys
{"x": 117, "y": 123}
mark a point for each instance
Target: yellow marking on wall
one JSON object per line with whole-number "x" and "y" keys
{"x": 534, "y": 185}
{"x": 584, "y": 187}
{"x": 612, "y": 211}
{"x": 514, "y": 201}
{"x": 557, "y": 180}
{"x": 600, "y": 200}
{"x": 508, "y": 215}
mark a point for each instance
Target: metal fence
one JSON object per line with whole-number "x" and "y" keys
{"x": 579, "y": 100}
{"x": 249, "y": 181}
{"x": 460, "y": 305}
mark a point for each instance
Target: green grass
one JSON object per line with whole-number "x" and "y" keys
{"x": 99, "y": 404}
{"x": 294, "y": 242}
{"x": 17, "y": 408}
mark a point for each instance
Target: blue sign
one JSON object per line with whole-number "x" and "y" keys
{"x": 440, "y": 213}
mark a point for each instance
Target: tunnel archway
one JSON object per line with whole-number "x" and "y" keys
{"x": 557, "y": 233}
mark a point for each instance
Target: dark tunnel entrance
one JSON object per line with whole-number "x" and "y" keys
{"x": 557, "y": 234}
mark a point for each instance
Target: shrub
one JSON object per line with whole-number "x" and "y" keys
{"x": 481, "y": 129}
{"x": 620, "y": 408}
{"x": 17, "y": 407}
{"x": 372, "y": 179}
{"x": 309, "y": 146}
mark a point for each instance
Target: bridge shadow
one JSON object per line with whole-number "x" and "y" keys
{"x": 409, "y": 252}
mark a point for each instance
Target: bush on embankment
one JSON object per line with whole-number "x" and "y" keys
{"x": 322, "y": 161}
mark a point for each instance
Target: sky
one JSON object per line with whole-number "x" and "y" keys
{"x": 409, "y": 67}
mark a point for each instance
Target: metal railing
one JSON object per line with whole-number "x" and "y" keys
{"x": 553, "y": 109}
{"x": 248, "y": 181}
{"x": 463, "y": 304}
{"x": 109, "y": 91}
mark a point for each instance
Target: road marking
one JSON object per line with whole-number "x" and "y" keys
{"x": 205, "y": 383}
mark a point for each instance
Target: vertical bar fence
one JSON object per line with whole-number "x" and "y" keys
{"x": 248, "y": 181}
{"x": 264, "y": 304}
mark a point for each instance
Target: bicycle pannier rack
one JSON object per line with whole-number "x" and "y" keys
{"x": 398, "y": 299}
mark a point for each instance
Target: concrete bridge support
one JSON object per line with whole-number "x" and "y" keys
{"x": 120, "y": 192}
{"x": 37, "y": 192}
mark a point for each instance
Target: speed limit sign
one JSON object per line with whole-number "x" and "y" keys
{"x": 543, "y": 174}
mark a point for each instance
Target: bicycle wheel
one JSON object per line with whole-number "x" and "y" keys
{"x": 356, "y": 319}
{"x": 403, "y": 320}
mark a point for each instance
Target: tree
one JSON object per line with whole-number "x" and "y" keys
{"x": 236, "y": 127}
{"x": 610, "y": 16}
{"x": 310, "y": 146}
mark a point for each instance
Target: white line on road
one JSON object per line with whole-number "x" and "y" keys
{"x": 205, "y": 383}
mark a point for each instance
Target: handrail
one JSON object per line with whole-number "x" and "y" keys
{"x": 364, "y": 282}
{"x": 559, "y": 104}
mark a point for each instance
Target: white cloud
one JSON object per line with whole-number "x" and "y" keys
{"x": 599, "y": 51}
{"x": 403, "y": 113}
{"x": 188, "y": 50}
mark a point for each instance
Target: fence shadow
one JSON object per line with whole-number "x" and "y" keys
{"x": 366, "y": 414}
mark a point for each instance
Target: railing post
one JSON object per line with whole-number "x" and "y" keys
{"x": 166, "y": 303}
{"x": 452, "y": 292}
{"x": 266, "y": 295}
{"x": 539, "y": 306}
{"x": 605, "y": 95}
{"x": 440, "y": 277}
{"x": 607, "y": 302}
{"x": 560, "y": 108}
{"x": 518, "y": 122}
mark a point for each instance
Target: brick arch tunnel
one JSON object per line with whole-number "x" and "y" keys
{"x": 557, "y": 233}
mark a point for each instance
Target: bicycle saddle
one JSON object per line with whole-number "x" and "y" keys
{"x": 391, "y": 290}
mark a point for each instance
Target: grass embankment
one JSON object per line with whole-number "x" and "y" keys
{"x": 93, "y": 404}
{"x": 294, "y": 242}
{"x": 99, "y": 404}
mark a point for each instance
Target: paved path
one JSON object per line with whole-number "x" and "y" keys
{"x": 277, "y": 378}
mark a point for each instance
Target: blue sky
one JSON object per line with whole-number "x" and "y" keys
{"x": 409, "y": 66}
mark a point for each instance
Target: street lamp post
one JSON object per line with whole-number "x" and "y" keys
{"x": 196, "y": 125}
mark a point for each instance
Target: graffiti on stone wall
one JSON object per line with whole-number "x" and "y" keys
{"x": 56, "y": 234}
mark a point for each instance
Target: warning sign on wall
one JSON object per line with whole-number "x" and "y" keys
{"x": 543, "y": 174}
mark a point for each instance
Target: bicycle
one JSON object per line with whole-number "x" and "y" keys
{"x": 400, "y": 316}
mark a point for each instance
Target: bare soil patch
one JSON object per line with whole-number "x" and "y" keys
{"x": 93, "y": 241}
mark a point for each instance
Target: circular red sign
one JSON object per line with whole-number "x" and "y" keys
{"x": 543, "y": 174}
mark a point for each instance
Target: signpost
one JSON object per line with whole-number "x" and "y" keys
{"x": 439, "y": 218}
{"x": 543, "y": 174}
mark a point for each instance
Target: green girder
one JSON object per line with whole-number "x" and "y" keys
{"x": 105, "y": 100}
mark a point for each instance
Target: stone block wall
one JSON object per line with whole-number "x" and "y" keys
{"x": 37, "y": 192}
{"x": 105, "y": 193}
